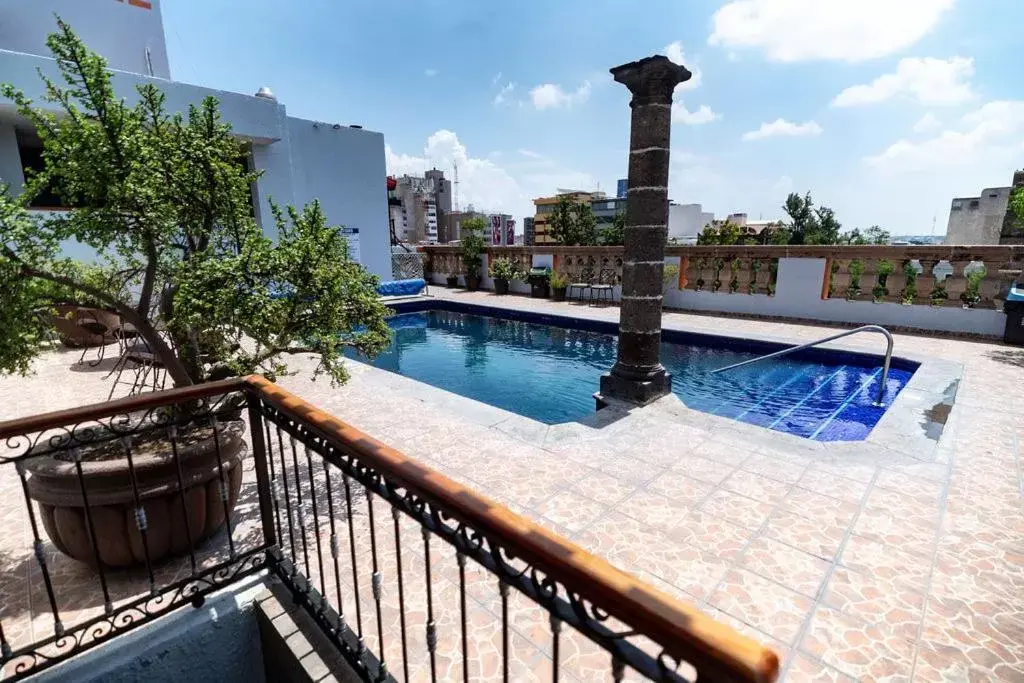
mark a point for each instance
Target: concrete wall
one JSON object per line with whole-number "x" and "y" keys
{"x": 219, "y": 641}
{"x": 344, "y": 168}
{"x": 981, "y": 223}
{"x": 118, "y": 30}
{"x": 685, "y": 221}
{"x": 798, "y": 295}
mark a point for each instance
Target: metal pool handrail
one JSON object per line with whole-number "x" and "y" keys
{"x": 847, "y": 333}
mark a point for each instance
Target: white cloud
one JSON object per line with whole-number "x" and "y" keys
{"x": 927, "y": 80}
{"x": 927, "y": 124}
{"x": 551, "y": 95}
{"x": 782, "y": 127}
{"x": 795, "y": 30}
{"x": 530, "y": 154}
{"x": 703, "y": 114}
{"x": 674, "y": 51}
{"x": 430, "y": 73}
{"x": 984, "y": 136}
{"x": 496, "y": 79}
{"x": 484, "y": 183}
{"x": 503, "y": 94}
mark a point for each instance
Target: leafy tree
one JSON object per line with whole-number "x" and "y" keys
{"x": 825, "y": 227}
{"x": 166, "y": 203}
{"x": 801, "y": 217}
{"x": 573, "y": 223}
{"x": 877, "y": 235}
{"x": 615, "y": 234}
{"x": 721, "y": 232}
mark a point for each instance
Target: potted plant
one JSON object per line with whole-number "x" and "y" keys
{"x": 163, "y": 198}
{"x": 559, "y": 283}
{"x": 504, "y": 270}
{"x": 453, "y": 280}
{"x": 472, "y": 247}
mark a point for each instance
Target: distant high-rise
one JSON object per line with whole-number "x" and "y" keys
{"x": 425, "y": 205}
{"x": 620, "y": 189}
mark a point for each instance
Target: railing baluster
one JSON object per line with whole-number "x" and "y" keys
{"x": 300, "y": 510}
{"x": 287, "y": 500}
{"x": 618, "y": 669}
{"x": 225, "y": 494}
{"x": 37, "y": 548}
{"x": 334, "y": 545}
{"x": 140, "y": 515}
{"x": 172, "y": 434}
{"x": 431, "y": 626}
{"x": 503, "y": 590}
{"x": 401, "y": 590}
{"x": 272, "y": 484}
{"x": 316, "y": 530}
{"x": 108, "y": 607}
{"x": 355, "y": 564}
{"x": 461, "y": 559}
{"x": 375, "y": 583}
{"x": 556, "y": 630}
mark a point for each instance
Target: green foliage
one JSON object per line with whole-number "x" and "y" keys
{"x": 572, "y": 223}
{"x": 721, "y": 232}
{"x": 873, "y": 235}
{"x": 472, "y": 245}
{"x": 165, "y": 200}
{"x": 615, "y": 234}
{"x": 559, "y": 280}
{"x": 670, "y": 275}
{"x": 910, "y": 291}
{"x": 506, "y": 269}
{"x": 972, "y": 294}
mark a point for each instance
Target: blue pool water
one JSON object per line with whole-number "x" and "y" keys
{"x": 549, "y": 373}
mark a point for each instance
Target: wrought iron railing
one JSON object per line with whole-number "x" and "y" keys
{"x": 410, "y": 574}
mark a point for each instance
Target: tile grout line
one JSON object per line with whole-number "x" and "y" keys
{"x": 944, "y": 498}
{"x": 802, "y": 633}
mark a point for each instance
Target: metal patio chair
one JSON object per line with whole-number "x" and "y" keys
{"x": 583, "y": 283}
{"x": 602, "y": 290}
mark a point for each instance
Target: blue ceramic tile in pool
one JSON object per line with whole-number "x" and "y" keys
{"x": 548, "y": 370}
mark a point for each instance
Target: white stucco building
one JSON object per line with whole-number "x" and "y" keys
{"x": 301, "y": 160}
{"x": 685, "y": 221}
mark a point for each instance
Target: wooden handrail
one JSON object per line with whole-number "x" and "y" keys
{"x": 94, "y": 411}
{"x": 716, "y": 650}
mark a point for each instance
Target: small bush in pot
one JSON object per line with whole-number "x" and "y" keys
{"x": 166, "y": 200}
{"x": 559, "y": 283}
{"x": 504, "y": 270}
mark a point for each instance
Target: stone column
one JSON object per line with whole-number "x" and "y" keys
{"x": 638, "y": 375}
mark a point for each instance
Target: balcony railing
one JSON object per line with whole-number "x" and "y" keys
{"x": 943, "y": 288}
{"x": 407, "y": 572}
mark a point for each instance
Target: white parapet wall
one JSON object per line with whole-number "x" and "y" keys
{"x": 802, "y": 282}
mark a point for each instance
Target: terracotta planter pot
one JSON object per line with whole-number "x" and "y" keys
{"x": 558, "y": 293}
{"x": 54, "y": 485}
{"x": 500, "y": 286}
{"x": 74, "y": 335}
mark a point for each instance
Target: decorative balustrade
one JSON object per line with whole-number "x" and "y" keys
{"x": 406, "y": 265}
{"x": 954, "y": 276}
{"x": 389, "y": 558}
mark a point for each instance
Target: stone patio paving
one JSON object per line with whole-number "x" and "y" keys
{"x": 894, "y": 562}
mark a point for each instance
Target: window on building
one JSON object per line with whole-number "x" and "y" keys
{"x": 30, "y": 148}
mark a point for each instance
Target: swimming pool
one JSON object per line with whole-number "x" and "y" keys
{"x": 548, "y": 367}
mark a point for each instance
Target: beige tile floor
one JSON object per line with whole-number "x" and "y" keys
{"x": 890, "y": 560}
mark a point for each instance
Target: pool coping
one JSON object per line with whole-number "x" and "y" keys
{"x": 901, "y": 431}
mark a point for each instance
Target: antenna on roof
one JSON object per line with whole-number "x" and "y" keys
{"x": 455, "y": 185}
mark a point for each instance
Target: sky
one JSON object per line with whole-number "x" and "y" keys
{"x": 883, "y": 109}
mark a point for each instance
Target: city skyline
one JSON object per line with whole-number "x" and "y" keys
{"x": 884, "y": 111}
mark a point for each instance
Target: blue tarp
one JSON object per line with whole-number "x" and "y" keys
{"x": 401, "y": 287}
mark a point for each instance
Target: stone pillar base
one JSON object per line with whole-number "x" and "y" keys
{"x": 640, "y": 392}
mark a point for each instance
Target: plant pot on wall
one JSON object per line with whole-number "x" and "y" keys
{"x": 452, "y": 282}
{"x": 472, "y": 282}
{"x": 500, "y": 286}
{"x": 55, "y": 485}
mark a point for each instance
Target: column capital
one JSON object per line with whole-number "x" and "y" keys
{"x": 651, "y": 79}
